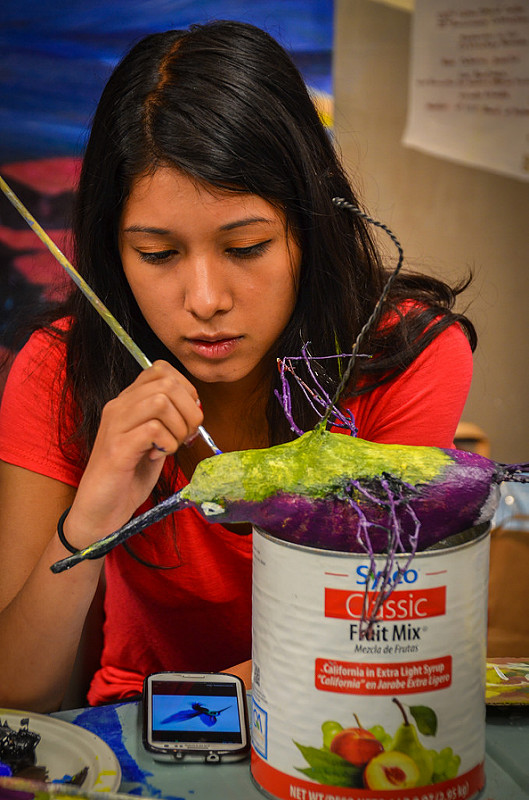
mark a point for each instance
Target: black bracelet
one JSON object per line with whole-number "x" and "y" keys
{"x": 60, "y": 532}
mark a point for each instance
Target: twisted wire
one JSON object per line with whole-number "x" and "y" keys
{"x": 340, "y": 202}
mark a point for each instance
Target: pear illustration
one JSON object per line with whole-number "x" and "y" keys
{"x": 406, "y": 741}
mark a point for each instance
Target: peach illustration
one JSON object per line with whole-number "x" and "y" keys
{"x": 391, "y": 770}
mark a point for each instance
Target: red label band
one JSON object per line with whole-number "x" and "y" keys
{"x": 358, "y": 677}
{"x": 411, "y": 604}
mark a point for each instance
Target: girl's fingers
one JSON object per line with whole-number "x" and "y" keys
{"x": 151, "y": 438}
{"x": 162, "y": 406}
{"x": 164, "y": 372}
{"x": 149, "y": 420}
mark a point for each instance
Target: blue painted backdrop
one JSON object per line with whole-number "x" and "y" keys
{"x": 55, "y": 57}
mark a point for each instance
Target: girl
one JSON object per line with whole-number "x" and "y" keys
{"x": 205, "y": 222}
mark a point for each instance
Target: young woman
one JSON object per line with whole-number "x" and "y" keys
{"x": 205, "y": 222}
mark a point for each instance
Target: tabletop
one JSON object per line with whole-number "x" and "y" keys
{"x": 506, "y": 764}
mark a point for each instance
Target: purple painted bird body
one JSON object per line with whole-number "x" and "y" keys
{"x": 337, "y": 492}
{"x": 463, "y": 493}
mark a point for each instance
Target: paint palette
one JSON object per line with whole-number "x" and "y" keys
{"x": 507, "y": 682}
{"x": 66, "y": 750}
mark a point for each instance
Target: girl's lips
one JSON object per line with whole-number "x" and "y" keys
{"x": 216, "y": 348}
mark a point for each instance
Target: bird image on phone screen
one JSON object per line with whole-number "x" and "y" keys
{"x": 207, "y": 716}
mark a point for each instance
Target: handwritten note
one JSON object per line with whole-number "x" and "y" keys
{"x": 469, "y": 84}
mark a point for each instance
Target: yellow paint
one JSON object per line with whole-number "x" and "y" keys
{"x": 324, "y": 106}
{"x": 105, "y": 773}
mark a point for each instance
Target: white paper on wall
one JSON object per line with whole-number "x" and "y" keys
{"x": 469, "y": 83}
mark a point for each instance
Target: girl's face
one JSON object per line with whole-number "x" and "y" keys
{"x": 213, "y": 272}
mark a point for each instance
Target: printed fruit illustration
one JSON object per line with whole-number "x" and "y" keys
{"x": 406, "y": 741}
{"x": 384, "y": 738}
{"x": 374, "y": 759}
{"x": 356, "y": 745}
{"x": 391, "y": 770}
{"x": 329, "y": 729}
{"x": 445, "y": 764}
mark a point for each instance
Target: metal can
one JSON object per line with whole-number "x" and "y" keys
{"x": 397, "y": 715}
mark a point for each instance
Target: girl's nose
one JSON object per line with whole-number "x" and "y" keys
{"x": 206, "y": 291}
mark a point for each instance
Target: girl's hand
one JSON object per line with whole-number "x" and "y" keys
{"x": 149, "y": 420}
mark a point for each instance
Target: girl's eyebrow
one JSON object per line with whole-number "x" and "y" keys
{"x": 240, "y": 223}
{"x": 147, "y": 229}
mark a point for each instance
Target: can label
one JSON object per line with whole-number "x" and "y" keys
{"x": 397, "y": 714}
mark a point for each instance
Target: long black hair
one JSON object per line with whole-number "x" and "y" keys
{"x": 224, "y": 103}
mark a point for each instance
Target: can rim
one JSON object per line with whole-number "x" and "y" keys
{"x": 458, "y": 541}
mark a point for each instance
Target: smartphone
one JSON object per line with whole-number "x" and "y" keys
{"x": 195, "y": 715}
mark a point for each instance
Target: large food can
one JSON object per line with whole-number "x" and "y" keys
{"x": 397, "y": 714}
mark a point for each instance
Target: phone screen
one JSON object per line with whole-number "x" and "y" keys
{"x": 201, "y": 711}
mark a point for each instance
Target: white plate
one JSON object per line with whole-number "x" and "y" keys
{"x": 65, "y": 749}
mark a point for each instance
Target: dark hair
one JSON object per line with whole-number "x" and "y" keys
{"x": 224, "y": 103}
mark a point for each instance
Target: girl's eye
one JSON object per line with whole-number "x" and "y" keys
{"x": 252, "y": 251}
{"x": 157, "y": 258}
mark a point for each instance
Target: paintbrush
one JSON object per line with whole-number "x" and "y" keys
{"x": 89, "y": 293}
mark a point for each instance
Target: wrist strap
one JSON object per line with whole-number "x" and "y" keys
{"x": 60, "y": 532}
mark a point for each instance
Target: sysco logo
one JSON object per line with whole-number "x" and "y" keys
{"x": 362, "y": 573}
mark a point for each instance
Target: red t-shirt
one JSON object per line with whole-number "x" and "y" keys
{"x": 198, "y": 616}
